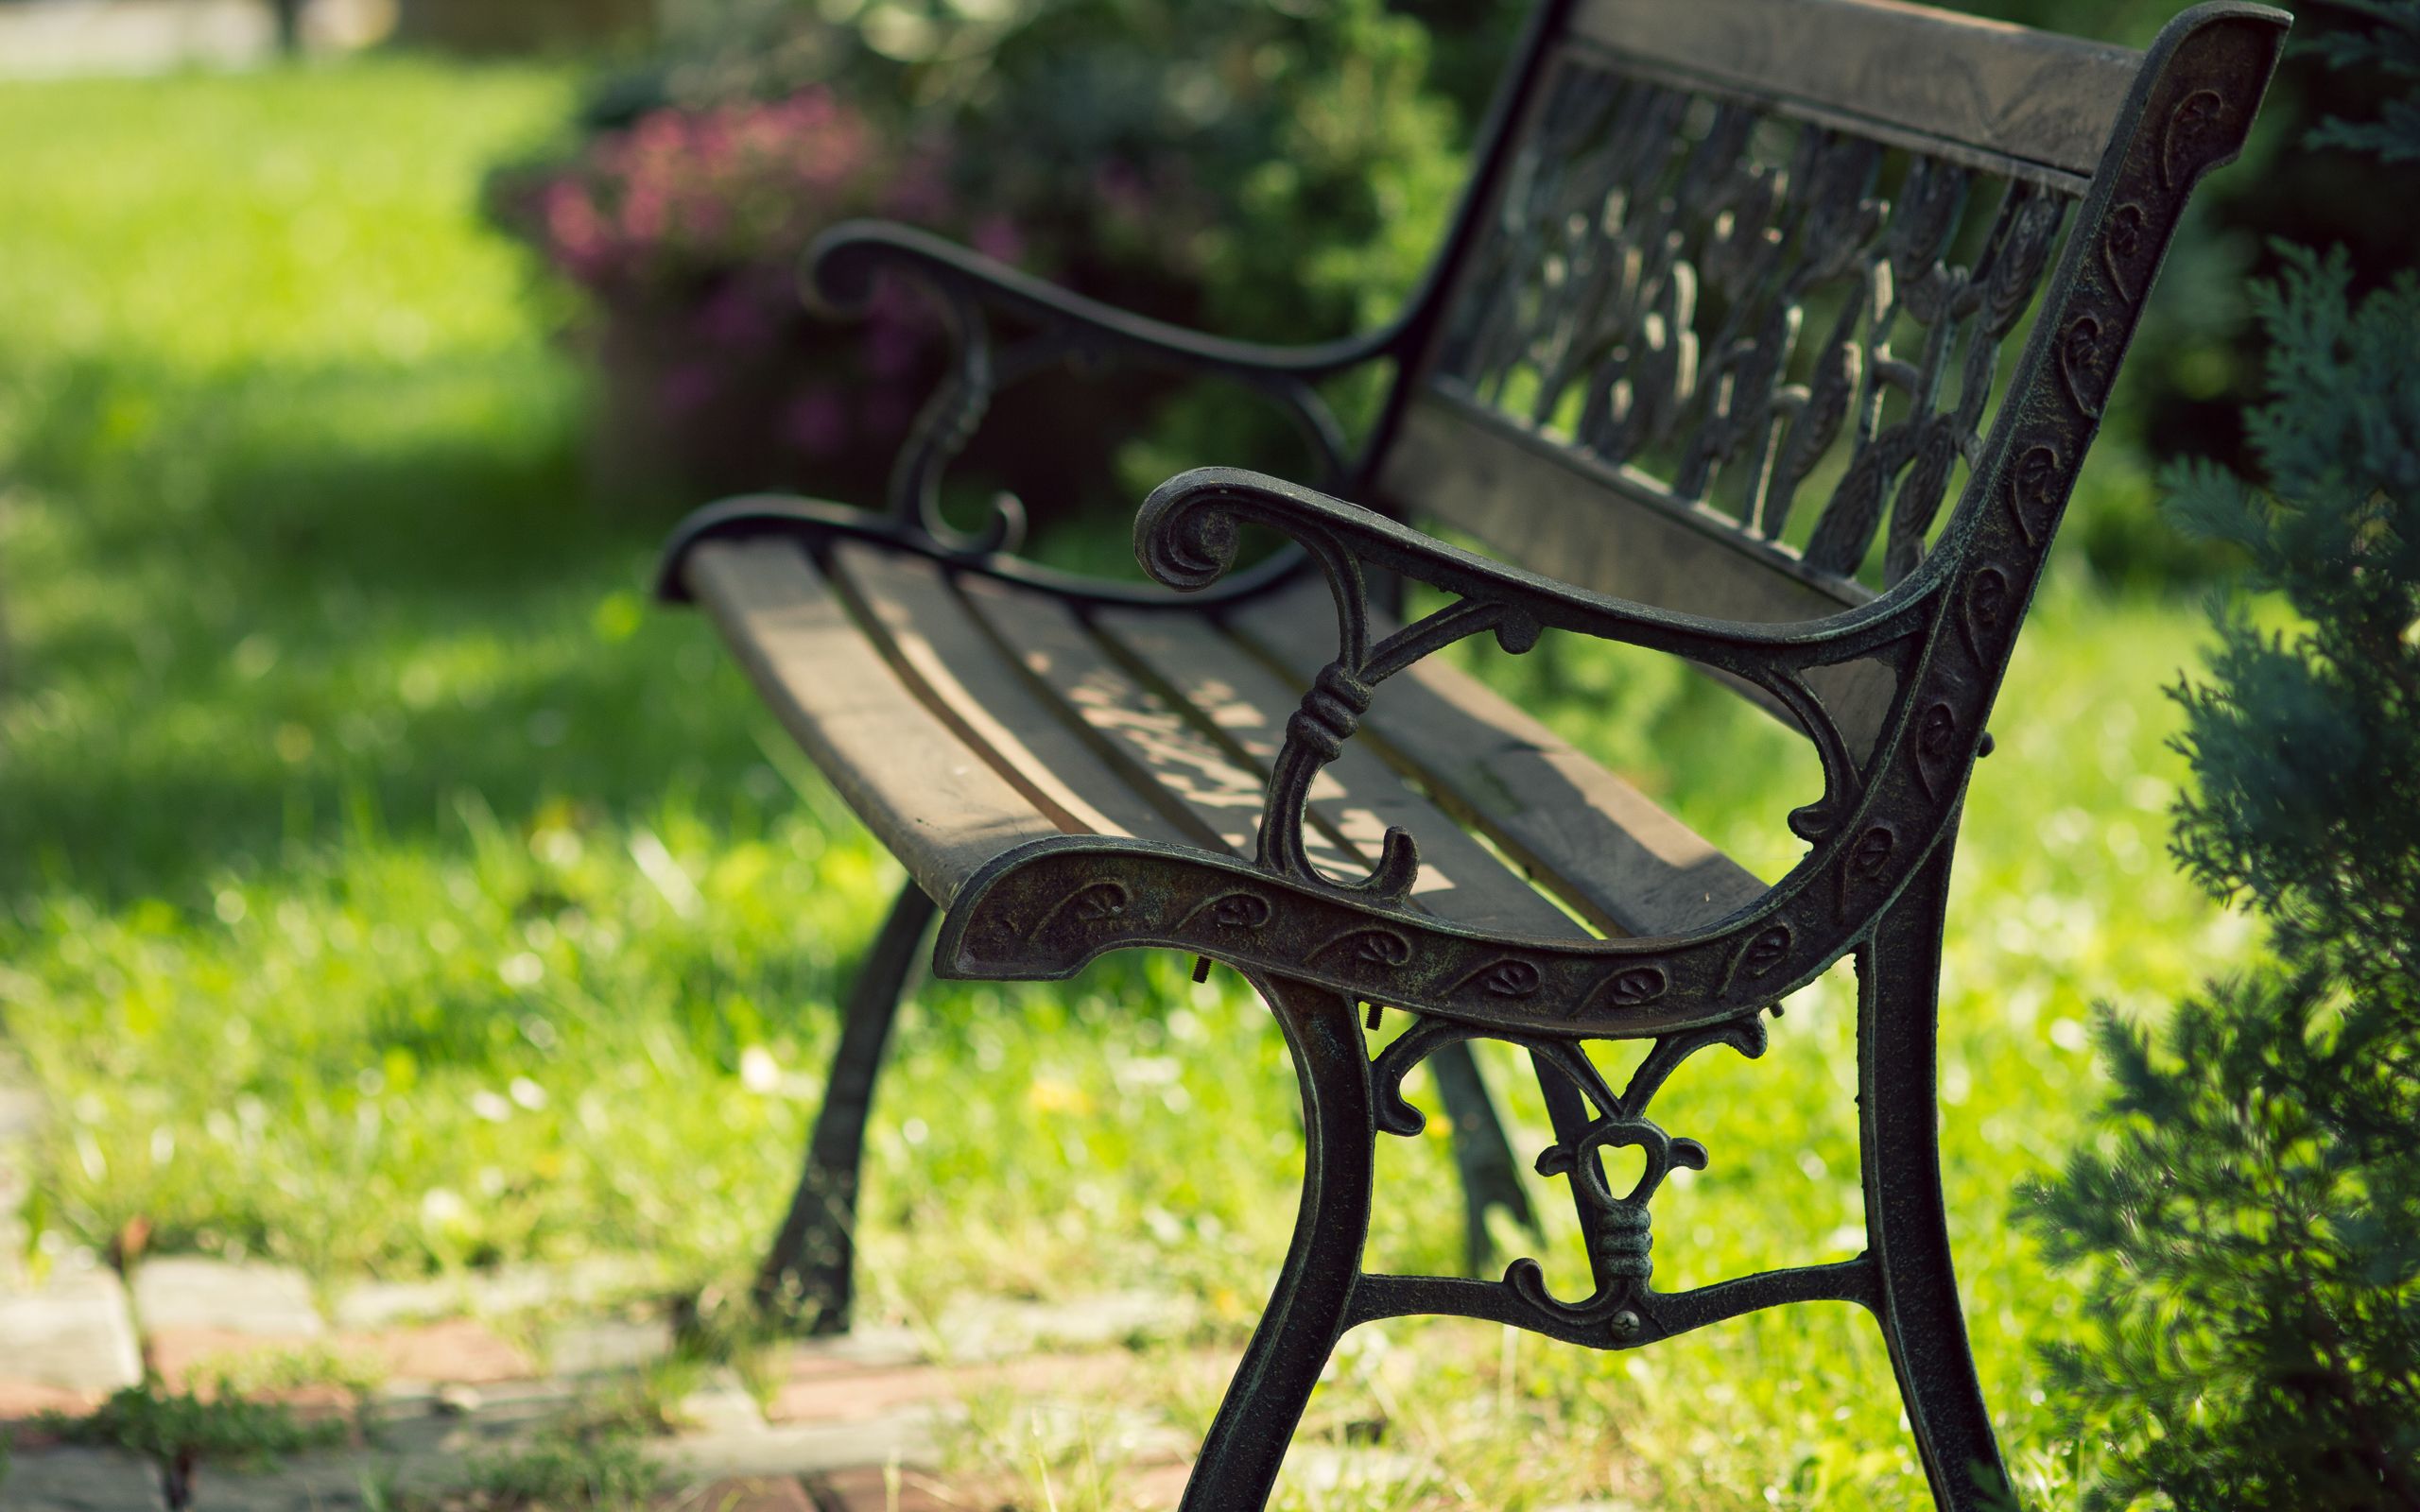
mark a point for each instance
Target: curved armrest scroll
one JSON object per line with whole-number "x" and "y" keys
{"x": 971, "y": 289}
{"x": 845, "y": 261}
{"x": 1186, "y": 537}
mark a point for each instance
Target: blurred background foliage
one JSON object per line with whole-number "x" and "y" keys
{"x": 1267, "y": 169}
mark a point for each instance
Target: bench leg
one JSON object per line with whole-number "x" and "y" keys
{"x": 1898, "y": 993}
{"x": 1305, "y": 1313}
{"x": 808, "y": 1273}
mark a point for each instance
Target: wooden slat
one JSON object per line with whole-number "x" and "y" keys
{"x": 1135, "y": 731}
{"x": 936, "y": 804}
{"x": 1598, "y": 841}
{"x": 2029, "y": 94}
{"x": 963, "y": 676}
{"x": 1538, "y": 504}
{"x": 1358, "y": 797}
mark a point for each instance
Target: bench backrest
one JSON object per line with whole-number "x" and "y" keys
{"x": 1727, "y": 314}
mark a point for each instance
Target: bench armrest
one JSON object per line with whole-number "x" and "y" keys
{"x": 1186, "y": 537}
{"x": 842, "y": 264}
{"x": 969, "y": 289}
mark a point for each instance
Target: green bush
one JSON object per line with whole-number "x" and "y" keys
{"x": 2251, "y": 1218}
{"x": 1264, "y": 169}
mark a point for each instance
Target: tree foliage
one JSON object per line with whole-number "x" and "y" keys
{"x": 2250, "y": 1219}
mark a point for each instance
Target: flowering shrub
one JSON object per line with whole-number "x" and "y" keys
{"x": 1263, "y": 170}
{"x": 685, "y": 230}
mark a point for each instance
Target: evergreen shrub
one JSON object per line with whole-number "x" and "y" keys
{"x": 2250, "y": 1217}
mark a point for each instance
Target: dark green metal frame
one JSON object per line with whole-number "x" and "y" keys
{"x": 1872, "y": 888}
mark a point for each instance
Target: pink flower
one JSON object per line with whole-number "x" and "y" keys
{"x": 577, "y": 231}
{"x": 643, "y": 213}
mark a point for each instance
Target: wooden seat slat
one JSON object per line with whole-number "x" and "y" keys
{"x": 1357, "y": 798}
{"x": 938, "y": 806}
{"x": 973, "y": 685}
{"x": 1596, "y": 840}
{"x": 1134, "y": 730}
{"x": 1572, "y": 518}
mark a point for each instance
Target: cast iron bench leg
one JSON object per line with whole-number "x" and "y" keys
{"x": 1899, "y": 997}
{"x": 813, "y": 1258}
{"x": 810, "y": 1268}
{"x": 1305, "y": 1314}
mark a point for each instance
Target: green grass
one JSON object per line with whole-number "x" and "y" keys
{"x": 385, "y": 885}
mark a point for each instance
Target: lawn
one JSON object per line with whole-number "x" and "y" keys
{"x": 385, "y": 885}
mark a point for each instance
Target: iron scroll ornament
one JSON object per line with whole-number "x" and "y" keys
{"x": 1623, "y": 1310}
{"x": 1949, "y": 627}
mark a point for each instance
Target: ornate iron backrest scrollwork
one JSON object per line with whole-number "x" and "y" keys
{"x": 1947, "y": 628}
{"x": 1714, "y": 293}
{"x": 1652, "y": 274}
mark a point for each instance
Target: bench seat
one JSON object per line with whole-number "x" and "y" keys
{"x": 1714, "y": 362}
{"x": 960, "y": 716}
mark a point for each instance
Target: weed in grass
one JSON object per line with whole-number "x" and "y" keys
{"x": 722, "y": 1326}
{"x": 282, "y": 1372}
{"x": 560, "y": 1471}
{"x": 182, "y": 1431}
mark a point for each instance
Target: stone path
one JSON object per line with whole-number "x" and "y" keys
{"x": 484, "y": 1365}
{"x": 857, "y": 1424}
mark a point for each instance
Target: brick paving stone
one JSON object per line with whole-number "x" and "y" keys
{"x": 797, "y": 1449}
{"x": 991, "y": 1328}
{"x": 883, "y": 1488}
{"x": 721, "y": 1405}
{"x": 307, "y": 1483}
{"x": 745, "y": 1493}
{"x": 839, "y": 1397}
{"x": 601, "y": 1344}
{"x": 456, "y": 1351}
{"x": 815, "y": 1387}
{"x": 238, "y": 1297}
{"x": 21, "y": 1400}
{"x": 866, "y": 1346}
{"x": 193, "y": 1358}
{"x": 73, "y": 1331}
{"x": 81, "y": 1480}
{"x": 373, "y": 1305}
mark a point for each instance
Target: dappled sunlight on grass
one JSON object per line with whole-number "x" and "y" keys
{"x": 387, "y": 885}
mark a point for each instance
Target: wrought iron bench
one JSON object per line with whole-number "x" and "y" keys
{"x": 1718, "y": 329}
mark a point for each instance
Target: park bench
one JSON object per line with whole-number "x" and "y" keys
{"x": 1740, "y": 294}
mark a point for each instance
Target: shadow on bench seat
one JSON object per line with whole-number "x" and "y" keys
{"x": 1770, "y": 334}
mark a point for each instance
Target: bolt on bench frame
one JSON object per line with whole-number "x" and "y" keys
{"x": 1661, "y": 321}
